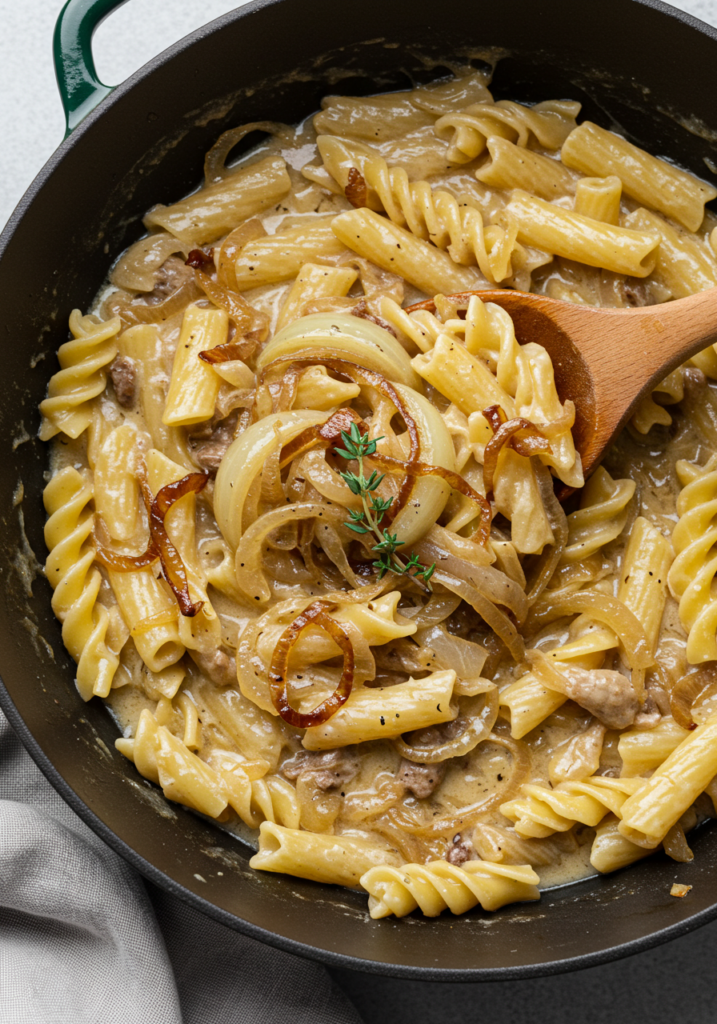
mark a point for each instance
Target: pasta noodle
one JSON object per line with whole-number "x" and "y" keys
{"x": 577, "y": 237}
{"x": 439, "y": 886}
{"x": 653, "y": 182}
{"x": 540, "y": 812}
{"x": 219, "y": 206}
{"x": 281, "y": 256}
{"x": 438, "y": 217}
{"x": 76, "y": 583}
{"x": 312, "y": 527}
{"x": 694, "y": 567}
{"x": 660, "y": 802}
{"x": 81, "y": 378}
{"x": 548, "y": 123}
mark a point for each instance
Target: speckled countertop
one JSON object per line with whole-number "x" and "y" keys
{"x": 673, "y": 984}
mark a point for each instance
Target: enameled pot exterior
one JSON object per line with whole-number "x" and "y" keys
{"x": 638, "y": 66}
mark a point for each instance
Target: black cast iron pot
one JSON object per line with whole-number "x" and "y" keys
{"x": 635, "y": 64}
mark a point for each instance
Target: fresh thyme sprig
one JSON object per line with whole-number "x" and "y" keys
{"x": 368, "y": 519}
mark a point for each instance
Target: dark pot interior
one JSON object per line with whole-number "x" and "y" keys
{"x": 634, "y": 65}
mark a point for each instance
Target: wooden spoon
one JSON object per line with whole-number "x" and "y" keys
{"x": 606, "y": 360}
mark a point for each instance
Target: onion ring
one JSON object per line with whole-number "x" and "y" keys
{"x": 478, "y": 728}
{"x": 160, "y": 547}
{"x": 315, "y": 615}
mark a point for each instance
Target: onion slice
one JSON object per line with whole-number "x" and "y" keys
{"x": 492, "y": 616}
{"x": 422, "y": 495}
{"x": 345, "y": 337}
{"x": 160, "y": 547}
{"x": 249, "y": 573}
{"x": 479, "y": 715}
{"x": 687, "y": 691}
{"x": 215, "y": 168}
{"x": 505, "y": 433}
{"x": 315, "y": 615}
{"x": 548, "y": 561}
{"x": 455, "y": 480}
{"x": 244, "y": 316}
{"x": 469, "y": 815}
{"x": 605, "y": 609}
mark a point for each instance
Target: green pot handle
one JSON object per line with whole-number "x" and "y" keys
{"x": 80, "y": 88}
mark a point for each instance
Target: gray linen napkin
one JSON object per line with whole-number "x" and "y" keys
{"x": 82, "y": 942}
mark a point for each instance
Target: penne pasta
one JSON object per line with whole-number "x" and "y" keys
{"x": 400, "y": 252}
{"x": 576, "y": 237}
{"x": 684, "y": 265}
{"x": 194, "y": 385}
{"x": 593, "y": 150}
{"x": 381, "y": 714}
{"x": 651, "y": 812}
{"x": 599, "y": 198}
{"x": 510, "y": 166}
{"x": 215, "y": 209}
{"x": 314, "y": 282}
{"x": 280, "y": 257}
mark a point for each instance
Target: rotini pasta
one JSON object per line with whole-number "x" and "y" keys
{"x": 539, "y": 811}
{"x": 439, "y": 886}
{"x": 76, "y": 583}
{"x": 547, "y": 123}
{"x": 81, "y": 378}
{"x": 693, "y": 570}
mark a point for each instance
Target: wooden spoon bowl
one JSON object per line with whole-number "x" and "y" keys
{"x": 606, "y": 360}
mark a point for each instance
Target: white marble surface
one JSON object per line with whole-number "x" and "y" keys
{"x": 31, "y": 120}
{"x": 32, "y": 123}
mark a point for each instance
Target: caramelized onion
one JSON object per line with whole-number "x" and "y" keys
{"x": 362, "y": 311}
{"x": 362, "y": 375}
{"x": 198, "y": 259}
{"x": 687, "y": 691}
{"x": 315, "y": 615}
{"x": 546, "y": 671}
{"x": 465, "y": 657}
{"x": 249, "y": 573}
{"x": 469, "y": 815}
{"x": 479, "y": 714}
{"x": 314, "y": 468}
{"x": 436, "y": 609}
{"x": 244, "y": 316}
{"x": 490, "y": 582}
{"x": 230, "y": 351}
{"x": 230, "y": 249}
{"x": 160, "y": 547}
{"x": 356, "y": 190}
{"x": 329, "y": 434}
{"x": 142, "y": 312}
{"x": 324, "y": 434}
{"x": 126, "y": 563}
{"x": 456, "y": 481}
{"x": 505, "y": 433}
